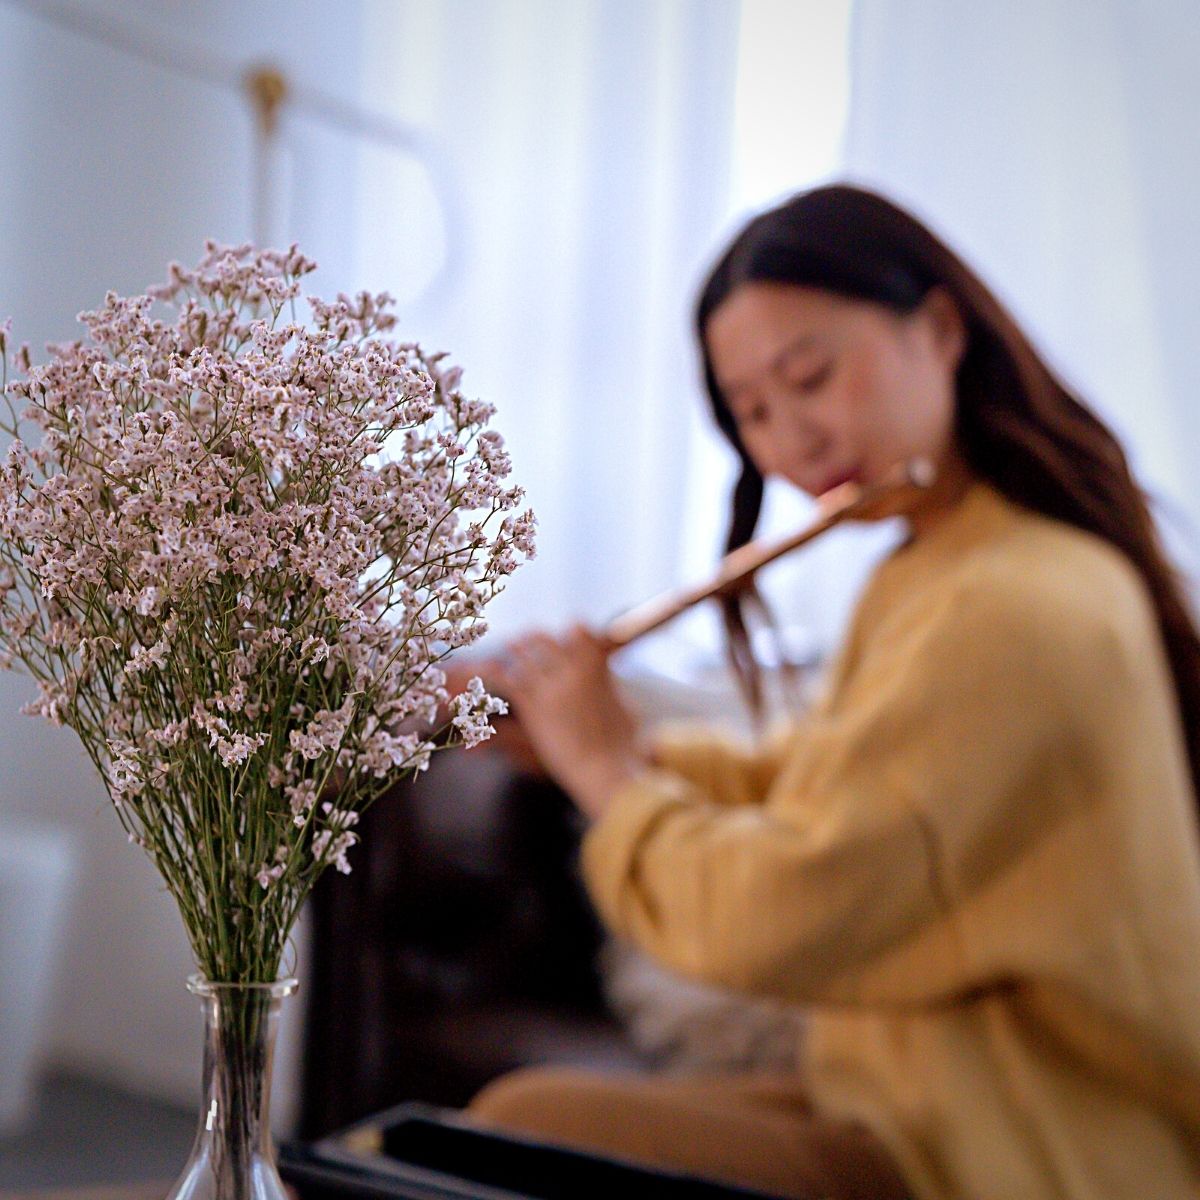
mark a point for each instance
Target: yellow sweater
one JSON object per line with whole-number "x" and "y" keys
{"x": 977, "y": 861}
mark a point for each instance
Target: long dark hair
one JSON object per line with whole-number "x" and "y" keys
{"x": 1018, "y": 426}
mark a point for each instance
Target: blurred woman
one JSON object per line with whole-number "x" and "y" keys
{"x": 977, "y": 861}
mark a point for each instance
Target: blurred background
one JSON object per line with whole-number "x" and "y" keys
{"x": 542, "y": 184}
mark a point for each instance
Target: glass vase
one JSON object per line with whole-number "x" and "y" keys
{"x": 233, "y": 1157}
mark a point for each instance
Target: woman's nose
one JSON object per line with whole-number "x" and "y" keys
{"x": 796, "y": 441}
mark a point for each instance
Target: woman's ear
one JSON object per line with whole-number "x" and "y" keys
{"x": 946, "y": 324}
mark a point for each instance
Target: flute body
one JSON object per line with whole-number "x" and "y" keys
{"x": 842, "y": 503}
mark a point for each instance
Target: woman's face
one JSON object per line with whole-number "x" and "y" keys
{"x": 825, "y": 389}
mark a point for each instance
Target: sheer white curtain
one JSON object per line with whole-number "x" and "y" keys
{"x": 588, "y": 145}
{"x": 602, "y": 152}
{"x": 1054, "y": 143}
{"x": 791, "y": 107}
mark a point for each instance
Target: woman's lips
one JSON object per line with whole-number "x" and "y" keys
{"x": 852, "y": 475}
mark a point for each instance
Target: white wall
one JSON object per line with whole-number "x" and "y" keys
{"x": 109, "y": 169}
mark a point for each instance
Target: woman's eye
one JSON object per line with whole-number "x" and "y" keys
{"x": 809, "y": 381}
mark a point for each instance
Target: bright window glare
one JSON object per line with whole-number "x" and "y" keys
{"x": 790, "y": 106}
{"x": 791, "y": 102}
{"x": 793, "y": 85}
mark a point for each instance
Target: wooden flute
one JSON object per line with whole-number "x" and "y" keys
{"x": 841, "y": 503}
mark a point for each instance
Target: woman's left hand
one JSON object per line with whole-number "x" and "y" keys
{"x": 563, "y": 695}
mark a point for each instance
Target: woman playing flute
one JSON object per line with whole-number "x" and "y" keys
{"x": 976, "y": 861}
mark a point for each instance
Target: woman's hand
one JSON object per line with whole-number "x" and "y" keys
{"x": 563, "y": 695}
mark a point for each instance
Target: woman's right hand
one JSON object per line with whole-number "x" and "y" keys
{"x": 563, "y": 695}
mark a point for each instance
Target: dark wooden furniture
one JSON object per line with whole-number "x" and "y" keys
{"x": 462, "y": 945}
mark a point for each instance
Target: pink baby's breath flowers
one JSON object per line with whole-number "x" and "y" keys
{"x": 472, "y": 708}
{"x": 235, "y": 548}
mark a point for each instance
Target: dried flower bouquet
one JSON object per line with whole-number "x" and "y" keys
{"x": 234, "y": 551}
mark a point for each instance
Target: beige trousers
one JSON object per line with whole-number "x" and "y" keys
{"x": 754, "y": 1130}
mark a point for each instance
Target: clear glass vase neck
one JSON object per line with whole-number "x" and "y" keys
{"x": 233, "y": 1157}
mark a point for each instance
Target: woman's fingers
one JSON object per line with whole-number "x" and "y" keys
{"x": 535, "y": 650}
{"x": 539, "y": 661}
{"x": 569, "y": 713}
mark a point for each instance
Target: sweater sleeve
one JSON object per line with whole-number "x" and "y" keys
{"x": 727, "y": 770}
{"x": 842, "y": 887}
